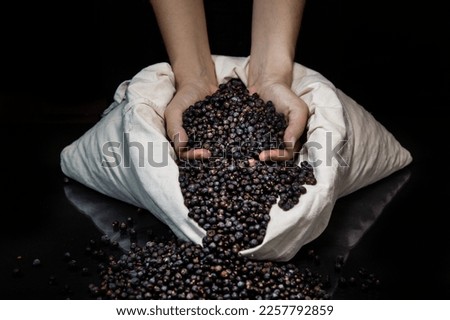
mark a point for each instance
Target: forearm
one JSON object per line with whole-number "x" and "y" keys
{"x": 275, "y": 29}
{"x": 183, "y": 28}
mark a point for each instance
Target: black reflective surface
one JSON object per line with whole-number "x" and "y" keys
{"x": 395, "y": 228}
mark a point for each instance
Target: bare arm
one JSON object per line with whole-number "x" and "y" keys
{"x": 183, "y": 28}
{"x": 275, "y": 29}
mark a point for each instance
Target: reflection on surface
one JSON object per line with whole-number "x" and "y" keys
{"x": 354, "y": 214}
{"x": 103, "y": 210}
{"x": 352, "y": 217}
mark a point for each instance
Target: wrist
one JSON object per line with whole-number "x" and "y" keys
{"x": 190, "y": 72}
{"x": 270, "y": 69}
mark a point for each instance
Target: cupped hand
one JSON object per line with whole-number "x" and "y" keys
{"x": 185, "y": 96}
{"x": 295, "y": 111}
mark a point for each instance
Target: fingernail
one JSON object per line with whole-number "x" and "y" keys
{"x": 263, "y": 156}
{"x": 252, "y": 162}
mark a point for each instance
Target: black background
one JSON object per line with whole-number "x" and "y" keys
{"x": 61, "y": 63}
{"x": 76, "y": 52}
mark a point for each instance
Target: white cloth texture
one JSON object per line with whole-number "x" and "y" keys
{"x": 127, "y": 156}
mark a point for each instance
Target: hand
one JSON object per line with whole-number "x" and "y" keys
{"x": 183, "y": 27}
{"x": 186, "y": 95}
{"x": 296, "y": 113}
{"x": 275, "y": 29}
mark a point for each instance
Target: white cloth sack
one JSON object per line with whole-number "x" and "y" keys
{"x": 127, "y": 156}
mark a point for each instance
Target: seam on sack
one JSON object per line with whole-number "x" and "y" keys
{"x": 131, "y": 105}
